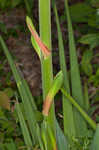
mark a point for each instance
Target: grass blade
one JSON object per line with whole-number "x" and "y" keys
{"x": 62, "y": 142}
{"x": 30, "y": 97}
{"x": 39, "y": 138}
{"x": 69, "y": 127}
{"x": 48, "y": 136}
{"x": 95, "y": 142}
{"x": 23, "y": 93}
{"x": 77, "y": 94}
{"x": 24, "y": 128}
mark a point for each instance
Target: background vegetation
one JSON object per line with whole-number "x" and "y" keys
{"x": 65, "y": 113}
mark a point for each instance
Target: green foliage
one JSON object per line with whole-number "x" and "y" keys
{"x": 91, "y": 39}
{"x": 96, "y": 96}
{"x": 4, "y": 4}
{"x": 81, "y": 143}
{"x": 81, "y": 12}
{"x": 86, "y": 62}
{"x": 24, "y": 92}
{"x": 5, "y": 78}
{"x": 9, "y": 92}
{"x": 95, "y": 79}
{"x": 9, "y": 3}
{"x": 8, "y": 146}
{"x": 15, "y": 3}
{"x": 43, "y": 132}
{"x": 8, "y": 126}
{"x": 95, "y": 3}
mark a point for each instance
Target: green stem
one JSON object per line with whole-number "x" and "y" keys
{"x": 83, "y": 113}
{"x": 46, "y": 64}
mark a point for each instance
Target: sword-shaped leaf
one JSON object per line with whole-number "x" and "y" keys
{"x": 24, "y": 93}
{"x": 77, "y": 94}
{"x": 25, "y": 131}
{"x": 68, "y": 118}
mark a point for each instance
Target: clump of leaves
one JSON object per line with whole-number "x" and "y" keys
{"x": 95, "y": 78}
{"x": 86, "y": 62}
{"x": 90, "y": 39}
{"x": 81, "y": 143}
{"x": 8, "y": 127}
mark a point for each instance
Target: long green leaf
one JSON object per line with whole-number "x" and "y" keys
{"x": 39, "y": 138}
{"x": 23, "y": 92}
{"x": 80, "y": 124}
{"x": 95, "y": 142}
{"x": 30, "y": 97}
{"x": 69, "y": 127}
{"x": 25, "y": 131}
{"x": 45, "y": 137}
{"x": 62, "y": 142}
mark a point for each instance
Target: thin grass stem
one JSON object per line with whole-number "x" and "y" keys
{"x": 83, "y": 113}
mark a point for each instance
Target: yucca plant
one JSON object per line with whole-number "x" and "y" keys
{"x": 46, "y": 134}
